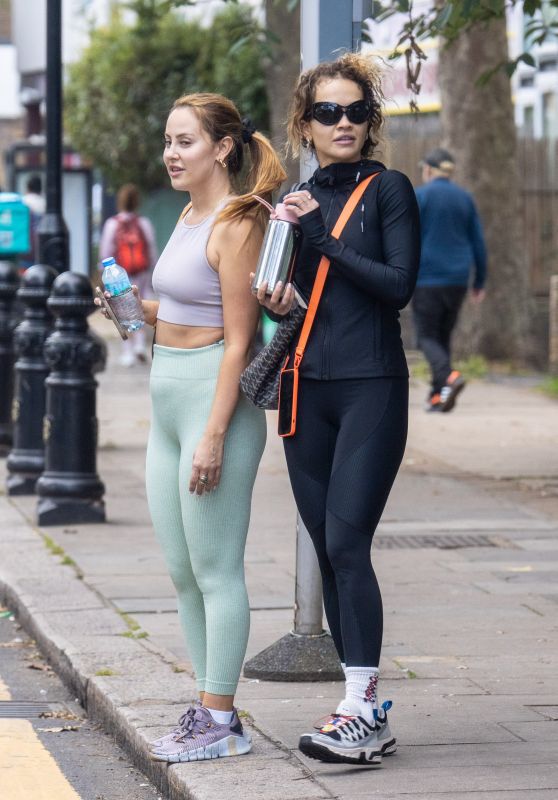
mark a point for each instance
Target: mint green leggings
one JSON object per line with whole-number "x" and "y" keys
{"x": 203, "y": 538}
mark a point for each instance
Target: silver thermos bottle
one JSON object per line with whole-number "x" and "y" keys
{"x": 279, "y": 248}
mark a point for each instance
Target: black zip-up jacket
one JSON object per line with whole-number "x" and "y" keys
{"x": 374, "y": 264}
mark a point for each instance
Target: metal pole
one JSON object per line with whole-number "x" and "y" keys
{"x": 308, "y": 653}
{"x": 326, "y": 26}
{"x": 553, "y": 326}
{"x": 308, "y": 587}
{"x": 52, "y": 231}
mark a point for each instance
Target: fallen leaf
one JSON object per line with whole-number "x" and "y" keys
{"x": 37, "y": 665}
{"x": 15, "y": 643}
{"x": 58, "y": 715}
{"x": 59, "y": 730}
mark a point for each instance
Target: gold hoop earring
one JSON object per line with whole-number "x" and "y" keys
{"x": 222, "y": 162}
{"x": 307, "y": 143}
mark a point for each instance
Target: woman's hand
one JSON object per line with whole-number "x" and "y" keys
{"x": 206, "y": 464}
{"x": 280, "y": 302}
{"x": 107, "y": 295}
{"x": 300, "y": 202}
{"x": 99, "y": 304}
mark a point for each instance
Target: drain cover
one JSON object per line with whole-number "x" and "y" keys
{"x": 441, "y": 542}
{"x": 22, "y": 709}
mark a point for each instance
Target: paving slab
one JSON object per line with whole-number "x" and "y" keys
{"x": 470, "y": 633}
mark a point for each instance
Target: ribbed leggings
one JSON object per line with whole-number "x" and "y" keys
{"x": 342, "y": 462}
{"x": 203, "y": 538}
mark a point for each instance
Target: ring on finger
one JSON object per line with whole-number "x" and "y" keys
{"x": 204, "y": 479}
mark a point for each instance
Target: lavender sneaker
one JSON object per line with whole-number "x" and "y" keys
{"x": 184, "y": 723}
{"x": 204, "y": 739}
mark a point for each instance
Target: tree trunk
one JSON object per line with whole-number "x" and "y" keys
{"x": 282, "y": 72}
{"x": 478, "y": 128}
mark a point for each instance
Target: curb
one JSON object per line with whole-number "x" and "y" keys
{"x": 125, "y": 683}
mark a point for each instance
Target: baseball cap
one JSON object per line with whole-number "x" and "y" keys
{"x": 439, "y": 158}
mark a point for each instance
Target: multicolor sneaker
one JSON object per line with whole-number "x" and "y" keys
{"x": 388, "y": 742}
{"x": 433, "y": 403}
{"x": 344, "y": 739}
{"x": 205, "y": 739}
{"x": 184, "y": 723}
{"x": 455, "y": 384}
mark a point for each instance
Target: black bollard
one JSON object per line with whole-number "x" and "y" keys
{"x": 69, "y": 489}
{"x": 26, "y": 458}
{"x": 9, "y": 284}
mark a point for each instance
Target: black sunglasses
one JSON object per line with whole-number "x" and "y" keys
{"x": 332, "y": 113}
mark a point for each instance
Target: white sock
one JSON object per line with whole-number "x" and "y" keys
{"x": 360, "y": 692}
{"x": 222, "y": 717}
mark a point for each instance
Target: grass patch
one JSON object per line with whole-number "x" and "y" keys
{"x": 134, "y": 629}
{"x": 52, "y": 547}
{"x": 178, "y": 668}
{"x": 105, "y": 673}
{"x": 472, "y": 368}
{"x": 68, "y": 561}
{"x": 550, "y": 386}
{"x": 133, "y": 635}
{"x": 130, "y": 621}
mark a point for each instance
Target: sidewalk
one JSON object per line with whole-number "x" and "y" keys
{"x": 470, "y": 647}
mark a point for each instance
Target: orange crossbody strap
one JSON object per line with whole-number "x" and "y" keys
{"x": 323, "y": 268}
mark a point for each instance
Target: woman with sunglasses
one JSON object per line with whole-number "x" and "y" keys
{"x": 353, "y": 392}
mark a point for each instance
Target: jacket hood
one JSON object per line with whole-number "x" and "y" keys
{"x": 341, "y": 175}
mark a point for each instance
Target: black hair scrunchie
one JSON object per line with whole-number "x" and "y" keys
{"x": 248, "y": 130}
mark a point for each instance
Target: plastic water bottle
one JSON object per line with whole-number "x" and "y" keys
{"x": 123, "y": 301}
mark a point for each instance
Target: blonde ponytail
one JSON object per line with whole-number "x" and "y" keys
{"x": 265, "y": 175}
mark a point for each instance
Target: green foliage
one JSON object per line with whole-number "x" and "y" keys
{"x": 118, "y": 95}
{"x": 450, "y": 20}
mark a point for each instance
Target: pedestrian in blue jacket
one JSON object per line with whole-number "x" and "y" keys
{"x": 452, "y": 245}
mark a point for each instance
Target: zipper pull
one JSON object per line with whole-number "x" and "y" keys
{"x": 362, "y": 218}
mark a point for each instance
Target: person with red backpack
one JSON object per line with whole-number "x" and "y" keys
{"x": 130, "y": 240}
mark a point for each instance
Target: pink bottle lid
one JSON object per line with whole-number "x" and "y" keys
{"x": 285, "y": 214}
{"x": 281, "y": 211}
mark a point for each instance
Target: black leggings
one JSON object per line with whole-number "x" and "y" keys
{"x": 342, "y": 463}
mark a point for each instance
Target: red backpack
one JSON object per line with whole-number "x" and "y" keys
{"x": 132, "y": 251}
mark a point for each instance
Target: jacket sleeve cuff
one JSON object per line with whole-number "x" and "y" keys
{"x": 315, "y": 232}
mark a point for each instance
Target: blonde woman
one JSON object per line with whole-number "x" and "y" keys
{"x": 206, "y": 439}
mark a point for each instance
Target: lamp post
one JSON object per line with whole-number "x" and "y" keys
{"x": 52, "y": 230}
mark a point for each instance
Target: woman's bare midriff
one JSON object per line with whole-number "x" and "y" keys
{"x": 186, "y": 337}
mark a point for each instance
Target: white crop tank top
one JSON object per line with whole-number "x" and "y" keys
{"x": 188, "y": 287}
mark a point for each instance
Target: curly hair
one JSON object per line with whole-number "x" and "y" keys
{"x": 362, "y": 70}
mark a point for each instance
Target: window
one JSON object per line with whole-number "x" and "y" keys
{"x": 5, "y": 22}
{"x": 549, "y": 127}
{"x": 528, "y": 127}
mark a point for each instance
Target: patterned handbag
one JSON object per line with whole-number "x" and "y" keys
{"x": 260, "y": 379}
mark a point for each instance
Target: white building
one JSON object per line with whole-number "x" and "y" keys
{"x": 535, "y": 89}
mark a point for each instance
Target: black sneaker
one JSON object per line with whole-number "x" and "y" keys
{"x": 344, "y": 740}
{"x": 454, "y": 385}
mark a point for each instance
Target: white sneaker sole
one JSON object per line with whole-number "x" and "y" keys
{"x": 231, "y": 746}
{"x": 340, "y": 755}
{"x": 389, "y": 748}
